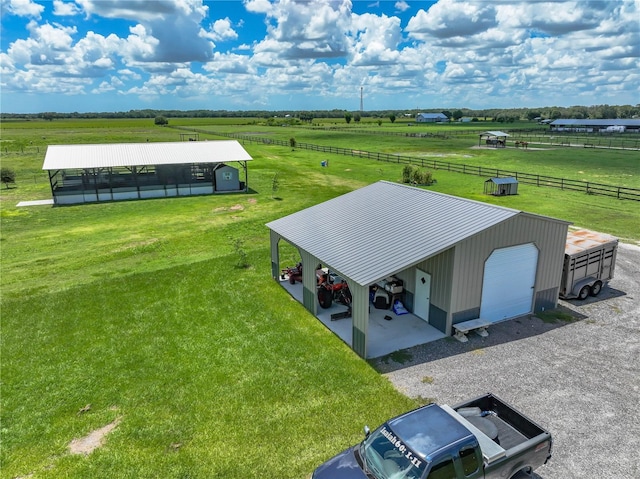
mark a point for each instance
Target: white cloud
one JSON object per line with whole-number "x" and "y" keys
{"x": 303, "y": 30}
{"x": 222, "y": 30}
{"x": 258, "y": 6}
{"x": 25, "y": 8}
{"x": 376, "y": 39}
{"x": 65, "y": 9}
{"x": 457, "y": 52}
{"x": 231, "y": 64}
{"x": 144, "y": 10}
{"x": 171, "y": 26}
{"x": 451, "y": 18}
{"x": 402, "y": 6}
{"x": 140, "y": 46}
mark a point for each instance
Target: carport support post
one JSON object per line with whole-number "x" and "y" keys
{"x": 274, "y": 239}
{"x": 360, "y": 316}
{"x": 309, "y": 282}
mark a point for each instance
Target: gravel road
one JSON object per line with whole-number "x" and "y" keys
{"x": 579, "y": 379}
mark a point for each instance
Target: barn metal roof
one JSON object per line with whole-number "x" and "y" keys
{"x": 494, "y": 133}
{"x": 381, "y": 229}
{"x": 61, "y": 157}
{"x": 432, "y": 115}
{"x": 507, "y": 180}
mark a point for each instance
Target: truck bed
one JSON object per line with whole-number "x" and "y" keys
{"x": 514, "y": 430}
{"x": 509, "y": 437}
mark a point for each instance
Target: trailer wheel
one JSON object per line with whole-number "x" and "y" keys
{"x": 325, "y": 298}
{"x": 292, "y": 279}
{"x": 596, "y": 288}
{"x": 584, "y": 292}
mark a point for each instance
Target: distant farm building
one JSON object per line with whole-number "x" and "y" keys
{"x": 501, "y": 186}
{"x": 497, "y": 139}
{"x": 596, "y": 126}
{"x": 88, "y": 173}
{"x": 431, "y": 118}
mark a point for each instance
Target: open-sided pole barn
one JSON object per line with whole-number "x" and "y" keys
{"x": 458, "y": 259}
{"x": 86, "y": 173}
{"x": 497, "y": 139}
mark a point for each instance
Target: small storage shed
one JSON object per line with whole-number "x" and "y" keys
{"x": 458, "y": 259}
{"x": 87, "y": 173}
{"x": 501, "y": 186}
{"x": 227, "y": 178}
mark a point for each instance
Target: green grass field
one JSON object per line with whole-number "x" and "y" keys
{"x": 209, "y": 369}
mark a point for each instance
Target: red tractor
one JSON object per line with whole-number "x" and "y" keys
{"x": 294, "y": 273}
{"x": 332, "y": 288}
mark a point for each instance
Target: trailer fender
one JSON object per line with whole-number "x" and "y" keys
{"x": 578, "y": 285}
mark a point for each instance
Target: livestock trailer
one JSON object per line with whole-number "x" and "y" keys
{"x": 589, "y": 263}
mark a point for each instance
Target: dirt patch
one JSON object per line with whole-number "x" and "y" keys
{"x": 252, "y": 201}
{"x": 237, "y": 207}
{"x": 93, "y": 440}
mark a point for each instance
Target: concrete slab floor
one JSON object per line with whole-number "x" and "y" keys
{"x": 384, "y": 336}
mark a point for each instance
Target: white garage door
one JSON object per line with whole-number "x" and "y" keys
{"x": 509, "y": 281}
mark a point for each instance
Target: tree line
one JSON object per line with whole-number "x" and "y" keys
{"x": 500, "y": 114}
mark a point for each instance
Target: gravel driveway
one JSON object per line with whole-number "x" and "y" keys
{"x": 579, "y": 379}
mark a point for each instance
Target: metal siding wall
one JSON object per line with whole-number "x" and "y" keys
{"x": 548, "y": 236}
{"x": 360, "y": 315}
{"x": 547, "y": 299}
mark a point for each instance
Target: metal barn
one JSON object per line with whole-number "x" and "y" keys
{"x": 457, "y": 259}
{"x": 86, "y": 173}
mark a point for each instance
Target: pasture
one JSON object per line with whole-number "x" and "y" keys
{"x": 140, "y": 314}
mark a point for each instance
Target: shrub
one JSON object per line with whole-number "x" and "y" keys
{"x": 407, "y": 173}
{"x": 7, "y": 175}
{"x": 413, "y": 174}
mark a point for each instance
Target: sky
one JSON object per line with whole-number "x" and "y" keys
{"x": 295, "y": 55}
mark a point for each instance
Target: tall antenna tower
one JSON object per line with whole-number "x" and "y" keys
{"x": 361, "y": 102}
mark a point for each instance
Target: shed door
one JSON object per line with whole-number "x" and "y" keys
{"x": 509, "y": 282}
{"x": 422, "y": 296}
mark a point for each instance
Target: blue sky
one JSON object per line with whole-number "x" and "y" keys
{"x": 119, "y": 55}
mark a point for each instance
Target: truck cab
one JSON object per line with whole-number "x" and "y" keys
{"x": 443, "y": 450}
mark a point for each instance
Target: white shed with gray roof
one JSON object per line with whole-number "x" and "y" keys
{"x": 388, "y": 229}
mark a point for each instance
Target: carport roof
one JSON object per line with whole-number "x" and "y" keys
{"x": 60, "y": 157}
{"x": 381, "y": 229}
{"x": 499, "y": 134}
